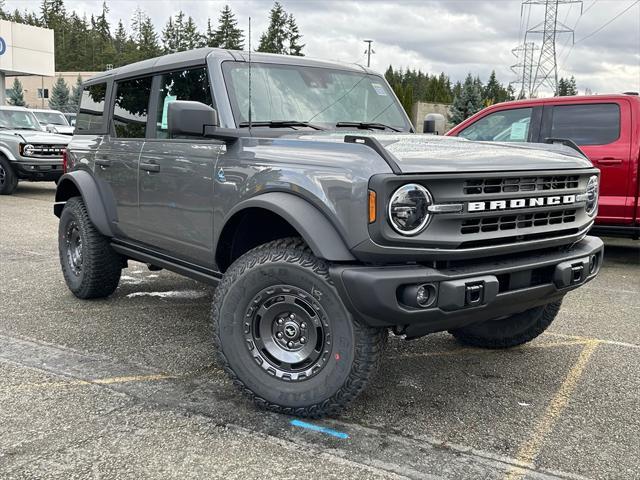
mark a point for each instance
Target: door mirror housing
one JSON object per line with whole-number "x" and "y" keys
{"x": 190, "y": 118}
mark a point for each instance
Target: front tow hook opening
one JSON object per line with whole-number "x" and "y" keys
{"x": 474, "y": 294}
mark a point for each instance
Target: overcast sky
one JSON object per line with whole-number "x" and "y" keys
{"x": 453, "y": 36}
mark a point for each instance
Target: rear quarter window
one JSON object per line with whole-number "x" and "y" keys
{"x": 91, "y": 113}
{"x": 588, "y": 124}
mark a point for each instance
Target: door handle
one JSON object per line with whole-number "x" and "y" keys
{"x": 103, "y": 162}
{"x": 609, "y": 161}
{"x": 150, "y": 167}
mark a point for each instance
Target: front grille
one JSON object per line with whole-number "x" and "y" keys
{"x": 47, "y": 150}
{"x": 515, "y": 222}
{"x": 520, "y": 184}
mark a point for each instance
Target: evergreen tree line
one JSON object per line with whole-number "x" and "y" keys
{"x": 466, "y": 97}
{"x": 93, "y": 44}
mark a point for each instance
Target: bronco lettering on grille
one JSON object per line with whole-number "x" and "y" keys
{"x": 520, "y": 203}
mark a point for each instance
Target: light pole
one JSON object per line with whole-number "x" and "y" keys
{"x": 369, "y": 51}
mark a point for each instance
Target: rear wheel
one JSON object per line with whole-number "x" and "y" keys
{"x": 91, "y": 268}
{"x": 285, "y": 337}
{"x": 510, "y": 331}
{"x": 8, "y": 178}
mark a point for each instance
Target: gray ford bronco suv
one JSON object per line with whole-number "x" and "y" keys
{"x": 300, "y": 190}
{"x": 26, "y": 151}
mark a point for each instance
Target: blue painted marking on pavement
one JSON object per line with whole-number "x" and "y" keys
{"x": 317, "y": 428}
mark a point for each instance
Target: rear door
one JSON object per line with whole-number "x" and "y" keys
{"x": 117, "y": 158}
{"x": 603, "y": 132}
{"x": 176, "y": 174}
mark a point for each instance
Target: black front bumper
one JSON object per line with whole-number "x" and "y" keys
{"x": 50, "y": 170}
{"x": 476, "y": 291}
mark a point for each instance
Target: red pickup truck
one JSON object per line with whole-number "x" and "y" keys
{"x": 605, "y": 127}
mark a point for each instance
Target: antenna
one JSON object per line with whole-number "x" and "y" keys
{"x": 249, "y": 75}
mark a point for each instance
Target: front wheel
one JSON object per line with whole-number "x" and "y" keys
{"x": 510, "y": 331}
{"x": 285, "y": 337}
{"x": 8, "y": 178}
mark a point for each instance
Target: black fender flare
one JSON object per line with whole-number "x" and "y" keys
{"x": 86, "y": 185}
{"x": 314, "y": 227}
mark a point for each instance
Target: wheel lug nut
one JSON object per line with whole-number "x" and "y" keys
{"x": 303, "y": 325}
{"x": 279, "y": 334}
{"x": 280, "y": 321}
{"x": 290, "y": 344}
{"x": 303, "y": 340}
{"x": 292, "y": 316}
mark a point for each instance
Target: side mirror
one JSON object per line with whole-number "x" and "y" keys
{"x": 190, "y": 118}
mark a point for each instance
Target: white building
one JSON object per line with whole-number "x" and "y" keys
{"x": 24, "y": 50}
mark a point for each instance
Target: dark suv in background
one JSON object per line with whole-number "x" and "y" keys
{"x": 322, "y": 219}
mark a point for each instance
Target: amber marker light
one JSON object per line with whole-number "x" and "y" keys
{"x": 372, "y": 206}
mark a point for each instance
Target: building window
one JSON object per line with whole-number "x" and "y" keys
{"x": 40, "y": 93}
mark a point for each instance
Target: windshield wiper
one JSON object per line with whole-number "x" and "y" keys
{"x": 281, "y": 124}
{"x": 367, "y": 125}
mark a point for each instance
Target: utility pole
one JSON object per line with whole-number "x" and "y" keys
{"x": 546, "y": 69}
{"x": 369, "y": 51}
{"x": 524, "y": 68}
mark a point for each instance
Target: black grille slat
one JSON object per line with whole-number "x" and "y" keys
{"x": 520, "y": 184}
{"x": 515, "y": 222}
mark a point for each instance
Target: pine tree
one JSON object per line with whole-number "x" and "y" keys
{"x": 293, "y": 37}
{"x": 147, "y": 44}
{"x": 494, "y": 92}
{"x": 276, "y": 36}
{"x": 76, "y": 91}
{"x": 16, "y": 94}
{"x": 191, "y": 38}
{"x": 59, "y": 99}
{"x": 210, "y": 39}
{"x": 468, "y": 101}
{"x": 120, "y": 38}
{"x": 227, "y": 35}
{"x": 173, "y": 34}
{"x": 572, "y": 88}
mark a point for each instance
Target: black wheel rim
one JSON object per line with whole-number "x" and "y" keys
{"x": 288, "y": 333}
{"x": 74, "y": 247}
{"x": 3, "y": 175}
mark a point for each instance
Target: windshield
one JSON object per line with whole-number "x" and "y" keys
{"x": 51, "y": 118}
{"x": 18, "y": 119}
{"x": 310, "y": 94}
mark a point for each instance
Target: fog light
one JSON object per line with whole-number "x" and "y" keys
{"x": 593, "y": 263}
{"x": 419, "y": 296}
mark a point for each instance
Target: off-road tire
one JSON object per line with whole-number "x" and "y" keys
{"x": 511, "y": 331}
{"x": 354, "y": 352}
{"x": 8, "y": 178}
{"x": 100, "y": 266}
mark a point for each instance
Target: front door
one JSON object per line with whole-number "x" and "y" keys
{"x": 177, "y": 175}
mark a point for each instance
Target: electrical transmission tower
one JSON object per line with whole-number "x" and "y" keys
{"x": 524, "y": 68}
{"x": 546, "y": 69}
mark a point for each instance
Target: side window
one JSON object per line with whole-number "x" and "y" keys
{"x": 91, "y": 113}
{"x": 131, "y": 107}
{"x": 503, "y": 126}
{"x": 589, "y": 124}
{"x": 192, "y": 84}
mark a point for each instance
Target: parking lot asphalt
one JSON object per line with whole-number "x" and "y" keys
{"x": 128, "y": 387}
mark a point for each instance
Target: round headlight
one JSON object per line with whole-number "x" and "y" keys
{"x": 408, "y": 209}
{"x": 592, "y": 195}
{"x": 28, "y": 150}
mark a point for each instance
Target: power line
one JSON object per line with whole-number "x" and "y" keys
{"x": 597, "y": 30}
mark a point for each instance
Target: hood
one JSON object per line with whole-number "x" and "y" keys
{"x": 420, "y": 153}
{"x": 39, "y": 137}
{"x": 63, "y": 129}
